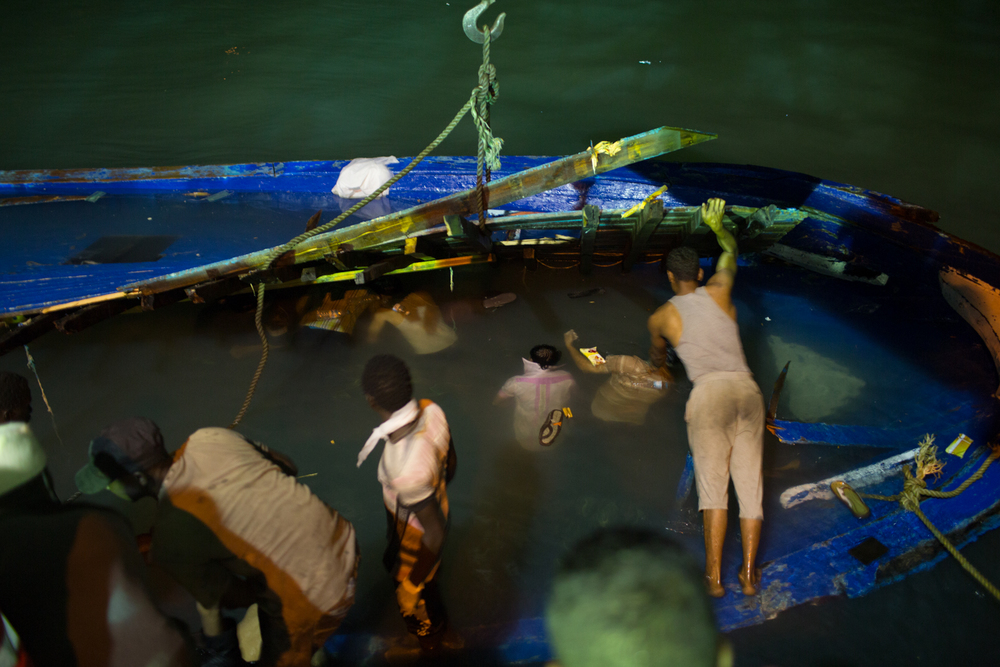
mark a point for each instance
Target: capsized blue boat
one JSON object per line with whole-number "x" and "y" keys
{"x": 867, "y": 274}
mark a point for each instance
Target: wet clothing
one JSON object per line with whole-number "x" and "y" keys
{"x": 725, "y": 418}
{"x": 412, "y": 471}
{"x": 725, "y": 411}
{"x": 233, "y": 529}
{"x": 710, "y": 339}
{"x": 72, "y": 588}
{"x": 537, "y": 392}
{"x": 629, "y": 392}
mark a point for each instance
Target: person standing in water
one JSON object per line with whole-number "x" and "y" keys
{"x": 539, "y": 391}
{"x": 725, "y": 412}
{"x": 416, "y": 465}
{"x": 634, "y": 384}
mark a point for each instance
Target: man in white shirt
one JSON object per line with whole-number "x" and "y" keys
{"x": 414, "y": 470}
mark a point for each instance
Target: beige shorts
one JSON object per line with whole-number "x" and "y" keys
{"x": 725, "y": 421}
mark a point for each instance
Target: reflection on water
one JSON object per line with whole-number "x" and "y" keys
{"x": 816, "y": 386}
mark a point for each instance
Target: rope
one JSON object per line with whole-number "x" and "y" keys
{"x": 489, "y": 148}
{"x": 915, "y": 488}
{"x": 38, "y": 379}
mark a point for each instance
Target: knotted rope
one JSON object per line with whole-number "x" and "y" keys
{"x": 915, "y": 489}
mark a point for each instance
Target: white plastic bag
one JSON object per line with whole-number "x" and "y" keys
{"x": 363, "y": 176}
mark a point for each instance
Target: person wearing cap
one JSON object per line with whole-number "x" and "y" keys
{"x": 235, "y": 528}
{"x": 72, "y": 588}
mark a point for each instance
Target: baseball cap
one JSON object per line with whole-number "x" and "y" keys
{"x": 130, "y": 445}
{"x": 21, "y": 457}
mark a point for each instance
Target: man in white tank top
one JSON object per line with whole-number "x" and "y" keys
{"x": 725, "y": 412}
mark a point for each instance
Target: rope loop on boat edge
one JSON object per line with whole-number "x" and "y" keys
{"x": 489, "y": 148}
{"x": 915, "y": 488}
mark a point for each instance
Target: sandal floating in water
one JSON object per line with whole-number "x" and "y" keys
{"x": 850, "y": 497}
{"x": 550, "y": 429}
{"x": 499, "y": 300}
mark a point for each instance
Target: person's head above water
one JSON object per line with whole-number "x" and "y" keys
{"x": 15, "y": 398}
{"x": 386, "y": 382}
{"x": 630, "y": 597}
{"x": 545, "y": 355}
{"x": 683, "y": 266}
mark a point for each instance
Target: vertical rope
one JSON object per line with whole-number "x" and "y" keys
{"x": 38, "y": 379}
{"x": 481, "y": 95}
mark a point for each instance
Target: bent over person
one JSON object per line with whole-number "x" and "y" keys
{"x": 725, "y": 411}
{"x": 415, "y": 467}
{"x": 236, "y": 529}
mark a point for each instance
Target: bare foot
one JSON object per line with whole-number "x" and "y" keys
{"x": 750, "y": 587}
{"x": 714, "y": 587}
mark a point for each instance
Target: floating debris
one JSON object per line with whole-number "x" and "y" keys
{"x": 499, "y": 300}
{"x": 587, "y": 292}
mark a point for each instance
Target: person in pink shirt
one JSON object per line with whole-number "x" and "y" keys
{"x": 538, "y": 392}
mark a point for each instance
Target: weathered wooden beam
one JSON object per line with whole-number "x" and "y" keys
{"x": 88, "y": 316}
{"x": 398, "y": 225}
{"x": 530, "y": 260}
{"x": 28, "y": 331}
{"x": 379, "y": 269}
{"x": 416, "y": 267}
{"x": 588, "y": 233}
{"x": 649, "y": 219}
{"x": 459, "y": 227}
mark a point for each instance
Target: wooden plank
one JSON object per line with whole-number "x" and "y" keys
{"x": 412, "y": 268}
{"x": 590, "y": 221}
{"x": 395, "y": 226}
{"x": 79, "y": 320}
{"x": 27, "y": 332}
{"x": 649, "y": 220}
{"x": 459, "y": 227}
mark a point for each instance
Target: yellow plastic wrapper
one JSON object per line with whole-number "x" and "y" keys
{"x": 593, "y": 356}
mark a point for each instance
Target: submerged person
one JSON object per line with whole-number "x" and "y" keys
{"x": 634, "y": 385}
{"x": 72, "y": 585}
{"x": 629, "y": 597}
{"x": 235, "y": 529}
{"x": 725, "y": 411}
{"x": 339, "y": 314}
{"x": 15, "y": 398}
{"x": 418, "y": 318}
{"x": 539, "y": 392}
{"x": 416, "y": 465}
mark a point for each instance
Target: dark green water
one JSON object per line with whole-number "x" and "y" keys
{"x": 896, "y": 97}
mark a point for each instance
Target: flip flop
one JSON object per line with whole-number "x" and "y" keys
{"x": 850, "y": 497}
{"x": 550, "y": 429}
{"x": 499, "y": 300}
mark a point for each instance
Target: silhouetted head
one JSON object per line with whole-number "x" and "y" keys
{"x": 629, "y": 597}
{"x": 545, "y": 355}
{"x": 125, "y": 457}
{"x": 682, "y": 265}
{"x": 386, "y": 382}
{"x": 15, "y": 398}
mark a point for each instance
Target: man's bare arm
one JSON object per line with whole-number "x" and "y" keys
{"x": 711, "y": 214}
{"x": 581, "y": 361}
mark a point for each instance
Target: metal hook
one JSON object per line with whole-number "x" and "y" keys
{"x": 476, "y": 34}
